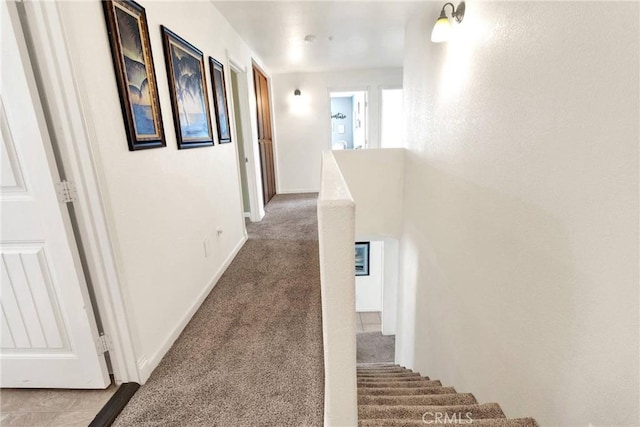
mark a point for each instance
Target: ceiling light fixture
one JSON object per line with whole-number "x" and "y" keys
{"x": 442, "y": 29}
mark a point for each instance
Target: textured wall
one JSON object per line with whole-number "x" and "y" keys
{"x": 520, "y": 245}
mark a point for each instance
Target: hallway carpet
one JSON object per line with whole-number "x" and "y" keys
{"x": 252, "y": 354}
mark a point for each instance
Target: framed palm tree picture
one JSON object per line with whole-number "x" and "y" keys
{"x": 362, "y": 258}
{"x": 220, "y": 101}
{"x": 187, "y": 85}
{"x": 135, "y": 75}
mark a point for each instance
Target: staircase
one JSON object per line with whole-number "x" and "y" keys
{"x": 391, "y": 395}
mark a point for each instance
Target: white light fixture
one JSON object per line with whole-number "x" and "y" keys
{"x": 442, "y": 29}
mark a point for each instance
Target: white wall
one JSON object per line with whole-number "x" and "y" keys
{"x": 390, "y": 286}
{"x": 369, "y": 288}
{"x": 391, "y": 118}
{"x": 163, "y": 203}
{"x": 303, "y": 130}
{"x": 520, "y": 244}
{"x": 376, "y": 181}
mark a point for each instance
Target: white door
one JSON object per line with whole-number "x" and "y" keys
{"x": 49, "y": 335}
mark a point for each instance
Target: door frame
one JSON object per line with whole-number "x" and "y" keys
{"x": 245, "y": 130}
{"x": 260, "y": 68}
{"x": 61, "y": 90}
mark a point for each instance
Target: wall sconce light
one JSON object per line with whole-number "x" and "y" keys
{"x": 297, "y": 92}
{"x": 442, "y": 29}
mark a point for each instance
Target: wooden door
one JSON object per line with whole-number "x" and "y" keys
{"x": 49, "y": 336}
{"x": 265, "y": 137}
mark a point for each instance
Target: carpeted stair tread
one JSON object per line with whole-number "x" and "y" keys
{"x": 390, "y": 395}
{"x": 387, "y": 374}
{"x": 360, "y": 365}
{"x": 377, "y": 365}
{"x": 403, "y": 391}
{"x": 392, "y": 384}
{"x": 382, "y": 369}
{"x": 424, "y": 400}
{"x": 390, "y": 379}
{"x": 419, "y": 412}
{"x": 491, "y": 422}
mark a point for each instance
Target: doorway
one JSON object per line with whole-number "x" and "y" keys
{"x": 242, "y": 158}
{"x": 265, "y": 136}
{"x": 349, "y": 120}
{"x": 391, "y": 117}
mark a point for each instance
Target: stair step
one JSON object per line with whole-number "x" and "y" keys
{"x": 392, "y": 379}
{"x": 395, "y": 384}
{"x": 403, "y": 391}
{"x": 387, "y": 374}
{"x": 490, "y": 422}
{"x": 422, "y": 412}
{"x": 378, "y": 365}
{"x": 424, "y": 400}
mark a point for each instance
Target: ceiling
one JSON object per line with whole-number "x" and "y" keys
{"x": 364, "y": 34}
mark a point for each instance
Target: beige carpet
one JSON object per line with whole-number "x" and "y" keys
{"x": 374, "y": 347}
{"x": 252, "y": 354}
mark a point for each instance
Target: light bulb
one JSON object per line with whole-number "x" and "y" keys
{"x": 441, "y": 30}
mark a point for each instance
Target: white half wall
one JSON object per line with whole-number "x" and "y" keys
{"x": 520, "y": 244}
{"x": 376, "y": 181}
{"x": 303, "y": 125}
{"x": 162, "y": 203}
{"x": 336, "y": 232}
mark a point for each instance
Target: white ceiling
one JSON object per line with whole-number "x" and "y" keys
{"x": 366, "y": 34}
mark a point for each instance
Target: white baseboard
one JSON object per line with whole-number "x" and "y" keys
{"x": 146, "y": 365}
{"x": 299, "y": 190}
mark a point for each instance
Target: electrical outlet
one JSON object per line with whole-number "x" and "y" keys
{"x": 207, "y": 247}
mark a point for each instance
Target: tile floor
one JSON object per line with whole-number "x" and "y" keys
{"x": 51, "y": 408}
{"x": 368, "y": 322}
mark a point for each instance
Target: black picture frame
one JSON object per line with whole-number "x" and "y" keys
{"x": 362, "y": 258}
{"x": 188, "y": 89}
{"x": 128, "y": 34}
{"x": 220, "y": 101}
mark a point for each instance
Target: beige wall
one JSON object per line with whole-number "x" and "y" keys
{"x": 520, "y": 244}
{"x": 303, "y": 131}
{"x": 163, "y": 203}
